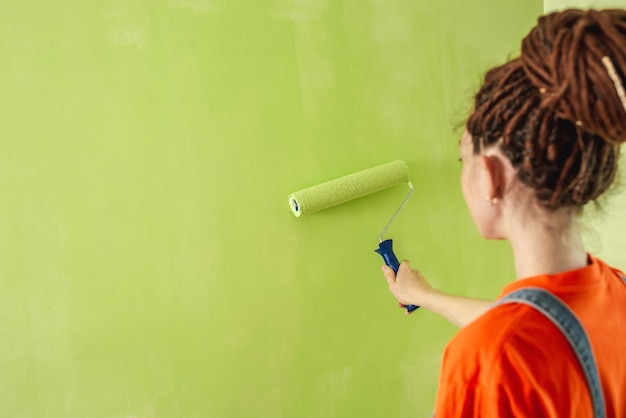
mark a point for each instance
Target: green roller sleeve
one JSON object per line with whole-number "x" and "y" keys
{"x": 350, "y": 187}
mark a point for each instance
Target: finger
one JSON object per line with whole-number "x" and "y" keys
{"x": 404, "y": 265}
{"x": 390, "y": 275}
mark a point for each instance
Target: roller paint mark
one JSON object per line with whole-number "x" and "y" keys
{"x": 404, "y": 80}
{"x": 301, "y": 10}
{"x": 195, "y": 6}
{"x": 127, "y": 36}
{"x": 148, "y": 410}
{"x": 334, "y": 387}
{"x": 311, "y": 38}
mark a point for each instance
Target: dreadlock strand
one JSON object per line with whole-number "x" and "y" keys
{"x": 560, "y": 184}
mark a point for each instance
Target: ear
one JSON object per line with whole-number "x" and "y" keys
{"x": 495, "y": 175}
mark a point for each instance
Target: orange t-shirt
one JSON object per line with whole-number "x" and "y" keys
{"x": 514, "y": 362}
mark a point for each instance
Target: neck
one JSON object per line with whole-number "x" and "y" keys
{"x": 547, "y": 245}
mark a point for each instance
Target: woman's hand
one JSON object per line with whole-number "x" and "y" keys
{"x": 408, "y": 286}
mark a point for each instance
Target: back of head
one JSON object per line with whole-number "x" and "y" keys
{"x": 558, "y": 112}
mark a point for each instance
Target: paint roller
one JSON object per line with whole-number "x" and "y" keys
{"x": 354, "y": 186}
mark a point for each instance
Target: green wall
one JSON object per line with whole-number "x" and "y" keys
{"x": 604, "y": 225}
{"x": 149, "y": 263}
{"x": 552, "y": 5}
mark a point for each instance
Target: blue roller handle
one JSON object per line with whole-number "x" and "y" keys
{"x": 385, "y": 249}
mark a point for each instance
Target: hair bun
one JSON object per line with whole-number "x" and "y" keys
{"x": 577, "y": 61}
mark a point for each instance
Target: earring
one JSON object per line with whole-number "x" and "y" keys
{"x": 491, "y": 201}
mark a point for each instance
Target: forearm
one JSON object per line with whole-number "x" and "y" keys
{"x": 409, "y": 287}
{"x": 459, "y": 310}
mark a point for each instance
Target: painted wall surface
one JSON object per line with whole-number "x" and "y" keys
{"x": 604, "y": 225}
{"x": 552, "y": 5}
{"x": 149, "y": 263}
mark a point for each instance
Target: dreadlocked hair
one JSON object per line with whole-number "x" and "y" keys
{"x": 558, "y": 112}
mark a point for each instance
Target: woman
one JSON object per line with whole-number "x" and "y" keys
{"x": 543, "y": 140}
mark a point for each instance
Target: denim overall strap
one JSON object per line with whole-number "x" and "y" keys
{"x": 565, "y": 319}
